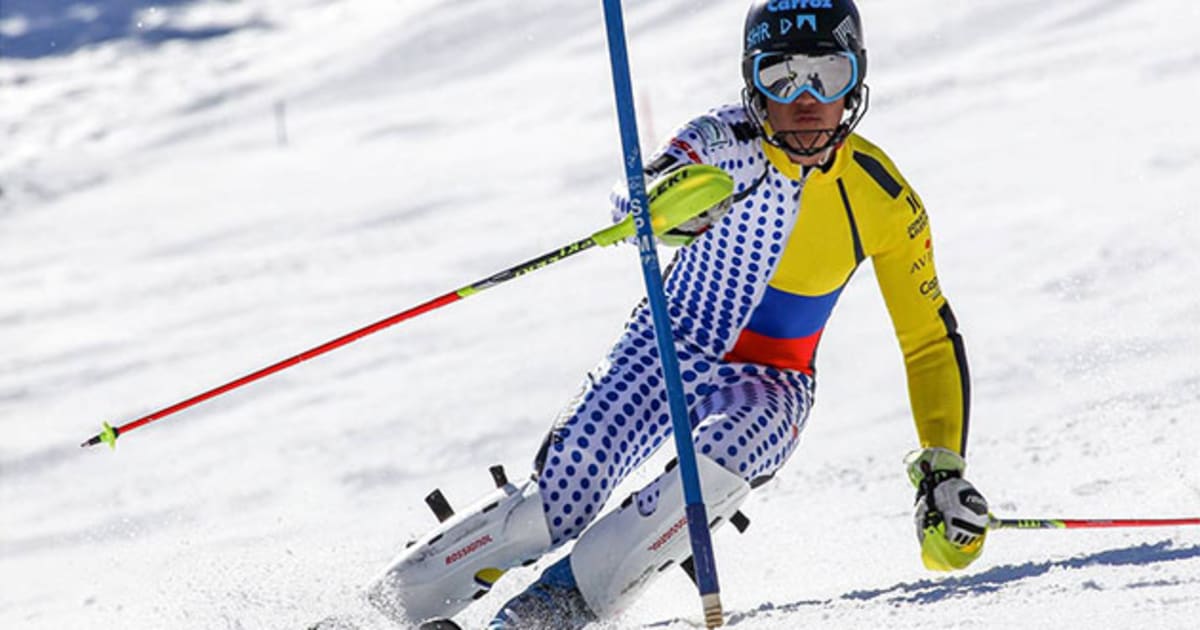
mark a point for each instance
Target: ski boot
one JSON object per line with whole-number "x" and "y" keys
{"x": 459, "y": 561}
{"x": 623, "y": 552}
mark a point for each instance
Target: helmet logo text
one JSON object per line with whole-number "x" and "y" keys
{"x": 792, "y": 5}
{"x": 803, "y": 20}
{"x": 759, "y": 34}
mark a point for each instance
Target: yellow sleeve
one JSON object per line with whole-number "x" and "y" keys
{"x": 934, "y": 357}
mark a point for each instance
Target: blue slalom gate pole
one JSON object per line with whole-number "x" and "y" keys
{"x": 697, "y": 515}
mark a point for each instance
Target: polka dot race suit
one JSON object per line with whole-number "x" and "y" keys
{"x": 749, "y": 300}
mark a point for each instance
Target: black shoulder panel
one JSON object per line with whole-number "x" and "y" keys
{"x": 744, "y": 131}
{"x": 878, "y": 173}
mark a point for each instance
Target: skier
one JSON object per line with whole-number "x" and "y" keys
{"x": 749, "y": 293}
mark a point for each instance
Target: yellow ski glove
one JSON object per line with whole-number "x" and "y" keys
{"x": 951, "y": 516}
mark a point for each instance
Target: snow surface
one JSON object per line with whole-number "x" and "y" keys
{"x": 157, "y": 238}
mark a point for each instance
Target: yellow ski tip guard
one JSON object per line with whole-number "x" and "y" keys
{"x": 109, "y": 436}
{"x": 674, "y": 199}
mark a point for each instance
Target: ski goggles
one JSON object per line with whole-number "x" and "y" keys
{"x": 784, "y": 77}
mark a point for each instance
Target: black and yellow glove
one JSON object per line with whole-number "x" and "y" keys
{"x": 951, "y": 516}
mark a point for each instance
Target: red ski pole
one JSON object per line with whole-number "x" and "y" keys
{"x": 1086, "y": 523}
{"x": 682, "y": 195}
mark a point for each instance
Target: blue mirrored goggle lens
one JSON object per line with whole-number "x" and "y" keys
{"x": 783, "y": 78}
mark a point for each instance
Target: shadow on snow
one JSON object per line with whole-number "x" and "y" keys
{"x": 929, "y": 591}
{"x": 989, "y": 581}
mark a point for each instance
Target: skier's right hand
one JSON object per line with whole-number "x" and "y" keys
{"x": 951, "y": 515}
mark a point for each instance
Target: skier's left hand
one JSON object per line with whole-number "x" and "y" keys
{"x": 951, "y": 516}
{"x": 687, "y": 231}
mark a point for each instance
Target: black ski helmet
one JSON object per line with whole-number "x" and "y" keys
{"x": 805, "y": 27}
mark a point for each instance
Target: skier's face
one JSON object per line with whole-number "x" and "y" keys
{"x": 806, "y": 114}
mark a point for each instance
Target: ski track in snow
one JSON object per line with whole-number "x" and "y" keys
{"x": 156, "y": 240}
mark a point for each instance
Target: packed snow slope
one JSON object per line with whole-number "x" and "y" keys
{"x": 193, "y": 190}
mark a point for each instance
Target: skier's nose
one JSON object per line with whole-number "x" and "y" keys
{"x": 806, "y": 99}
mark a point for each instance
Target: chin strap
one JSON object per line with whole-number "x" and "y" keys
{"x": 756, "y": 105}
{"x": 792, "y": 142}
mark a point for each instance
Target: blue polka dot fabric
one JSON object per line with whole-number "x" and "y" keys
{"x": 718, "y": 279}
{"x": 745, "y": 417}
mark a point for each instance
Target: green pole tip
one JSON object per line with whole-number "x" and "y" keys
{"x": 109, "y": 436}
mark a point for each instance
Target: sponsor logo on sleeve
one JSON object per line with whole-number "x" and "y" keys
{"x": 921, "y": 263}
{"x": 918, "y": 225}
{"x": 931, "y": 289}
{"x": 913, "y": 202}
{"x": 712, "y": 133}
{"x": 921, "y": 220}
